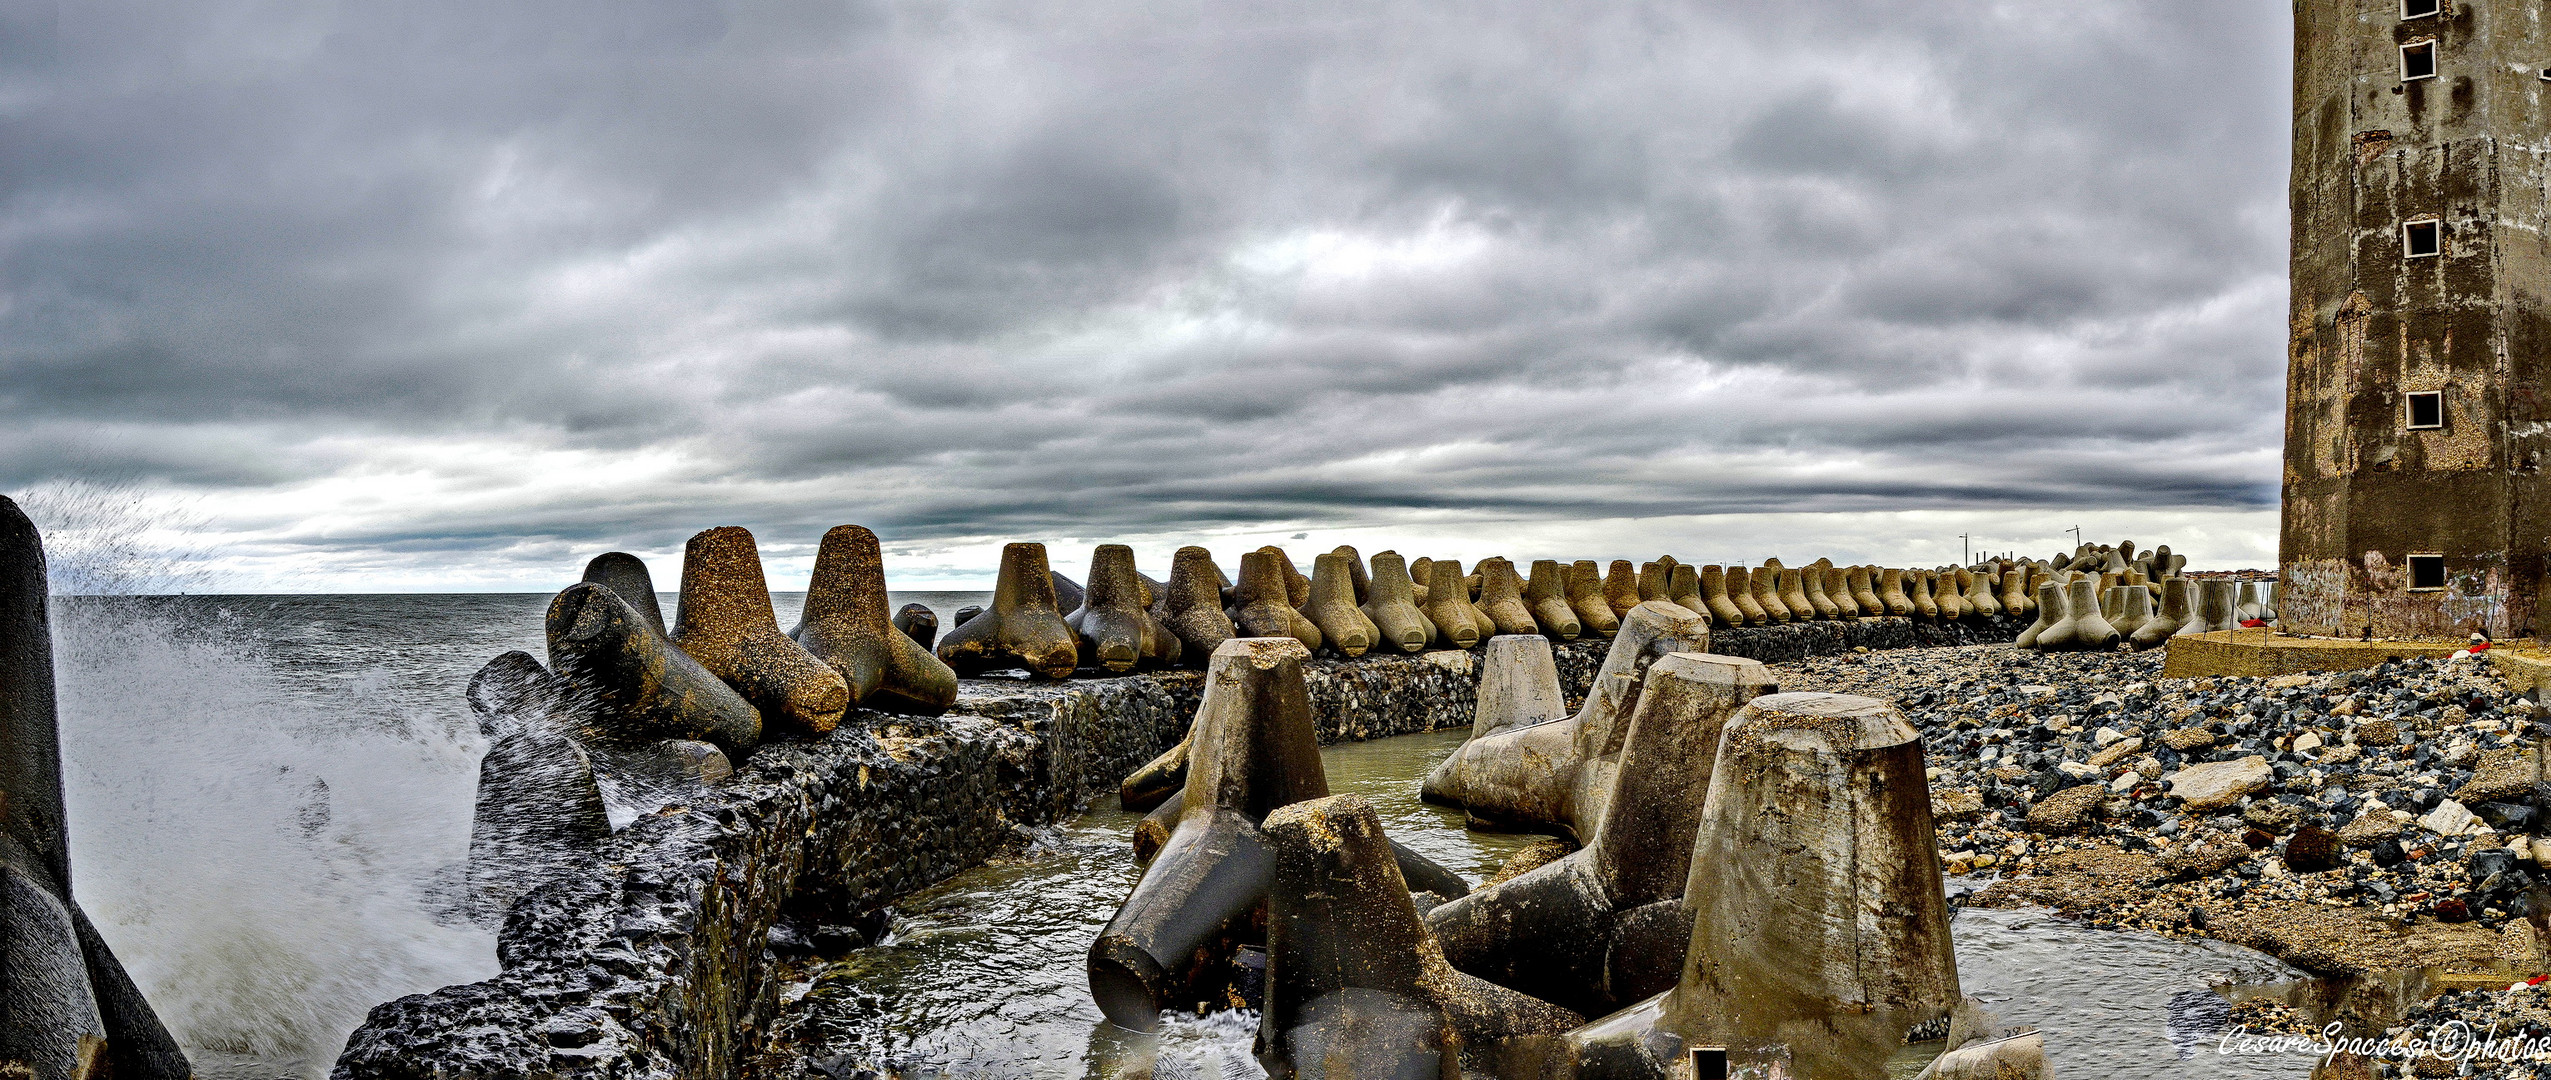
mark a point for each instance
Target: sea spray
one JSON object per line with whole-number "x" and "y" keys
{"x": 263, "y": 859}
{"x": 270, "y": 859}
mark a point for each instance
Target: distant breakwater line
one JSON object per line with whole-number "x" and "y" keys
{"x": 652, "y": 960}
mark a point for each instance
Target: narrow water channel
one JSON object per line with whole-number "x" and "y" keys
{"x": 983, "y": 977}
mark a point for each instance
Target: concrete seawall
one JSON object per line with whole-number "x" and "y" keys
{"x": 651, "y": 961}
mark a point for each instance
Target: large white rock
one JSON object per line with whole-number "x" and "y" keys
{"x": 2449, "y": 818}
{"x": 2218, "y": 784}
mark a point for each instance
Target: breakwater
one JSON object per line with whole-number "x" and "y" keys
{"x": 652, "y": 959}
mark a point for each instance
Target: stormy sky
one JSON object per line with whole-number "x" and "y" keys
{"x": 391, "y": 295}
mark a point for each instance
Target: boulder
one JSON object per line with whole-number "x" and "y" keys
{"x": 2313, "y": 849}
{"x": 2218, "y": 784}
{"x": 2506, "y": 775}
{"x": 2377, "y": 824}
{"x": 2071, "y": 810}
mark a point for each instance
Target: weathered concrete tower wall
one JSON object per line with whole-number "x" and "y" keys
{"x": 2376, "y": 151}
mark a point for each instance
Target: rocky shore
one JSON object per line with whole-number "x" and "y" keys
{"x": 2370, "y": 826}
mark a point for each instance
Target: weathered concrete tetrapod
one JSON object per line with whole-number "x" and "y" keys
{"x": 1892, "y": 595}
{"x": 727, "y": 625}
{"x": 2015, "y": 592}
{"x": 538, "y": 810}
{"x": 1355, "y": 569}
{"x": 1068, "y": 594}
{"x": 1297, "y": 588}
{"x": 1978, "y": 591}
{"x": 1585, "y": 597}
{"x": 1113, "y": 626}
{"x": 68, "y": 1011}
{"x": 627, "y": 578}
{"x": 2134, "y": 605}
{"x": 1501, "y": 598}
{"x": 1654, "y": 578}
{"x": 1332, "y": 608}
{"x": 2216, "y": 599}
{"x": 1546, "y": 597}
{"x": 1023, "y": 628}
{"x": 1518, "y": 687}
{"x": 1817, "y": 598}
{"x": 1818, "y": 920}
{"x": 642, "y": 687}
{"x": 1740, "y": 591}
{"x": 1557, "y": 774}
{"x": 1253, "y": 747}
{"x": 2050, "y": 610}
{"x": 1793, "y": 595}
{"x": 1392, "y": 605}
{"x": 2179, "y": 600}
{"x": 1356, "y": 987}
{"x": 919, "y": 623}
{"x": 1838, "y": 590}
{"x": 1603, "y": 927}
{"x": 2248, "y": 607}
{"x": 1764, "y": 582}
{"x": 1621, "y": 588}
{"x": 1262, "y": 607}
{"x": 1715, "y": 601}
{"x": 2080, "y": 626}
{"x": 1683, "y": 588}
{"x": 1191, "y": 605}
{"x": 1864, "y": 592}
{"x": 1917, "y": 588}
{"x": 1457, "y": 624}
{"x": 844, "y": 624}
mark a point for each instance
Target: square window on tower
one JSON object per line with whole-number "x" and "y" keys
{"x": 2426, "y": 410}
{"x": 2422, "y": 239}
{"x": 2412, "y": 9}
{"x": 2426, "y": 572}
{"x": 2418, "y": 60}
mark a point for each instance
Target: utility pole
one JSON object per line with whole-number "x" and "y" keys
{"x": 2077, "y": 535}
{"x": 1965, "y": 555}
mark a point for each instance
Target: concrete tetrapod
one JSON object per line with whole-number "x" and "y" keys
{"x": 1501, "y": 598}
{"x": 1023, "y": 629}
{"x": 919, "y": 623}
{"x": 1392, "y": 606}
{"x": 68, "y": 1011}
{"x": 1068, "y": 594}
{"x": 1593, "y": 609}
{"x": 1819, "y": 926}
{"x": 2015, "y": 593}
{"x": 1356, "y": 987}
{"x": 1558, "y": 773}
{"x": 1457, "y": 624}
{"x": 1654, "y": 579}
{"x": 2080, "y": 628}
{"x": 1838, "y": 590}
{"x": 1297, "y": 588}
{"x": 1793, "y": 595}
{"x": 1621, "y": 588}
{"x": 1113, "y": 627}
{"x": 642, "y": 686}
{"x": 1332, "y": 607}
{"x": 1518, "y": 687}
{"x": 1740, "y": 591}
{"x": 1546, "y": 597}
{"x": 1683, "y": 588}
{"x": 1355, "y": 568}
{"x": 2050, "y": 610}
{"x": 1764, "y": 582}
{"x": 2248, "y": 607}
{"x": 539, "y": 808}
{"x": 2216, "y": 603}
{"x": 1191, "y": 605}
{"x": 2179, "y": 600}
{"x": 1817, "y": 598}
{"x": 1917, "y": 588}
{"x": 1979, "y": 594}
{"x": 844, "y": 624}
{"x": 2159, "y": 626}
{"x": 1714, "y": 599}
{"x": 1603, "y": 927}
{"x": 1891, "y": 593}
{"x": 627, "y": 578}
{"x": 727, "y": 625}
{"x": 964, "y": 615}
{"x": 2134, "y": 609}
{"x": 1252, "y": 748}
{"x": 1261, "y": 606}
{"x": 1864, "y": 592}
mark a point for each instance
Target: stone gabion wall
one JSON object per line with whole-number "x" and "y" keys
{"x": 651, "y": 962}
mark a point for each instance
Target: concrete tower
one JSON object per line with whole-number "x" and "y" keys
{"x": 2415, "y": 423}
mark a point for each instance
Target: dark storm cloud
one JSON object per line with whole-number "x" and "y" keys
{"x": 503, "y": 279}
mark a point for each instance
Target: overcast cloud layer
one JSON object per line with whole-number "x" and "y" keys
{"x": 401, "y": 295}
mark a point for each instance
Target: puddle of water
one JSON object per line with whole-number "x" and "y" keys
{"x": 984, "y": 975}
